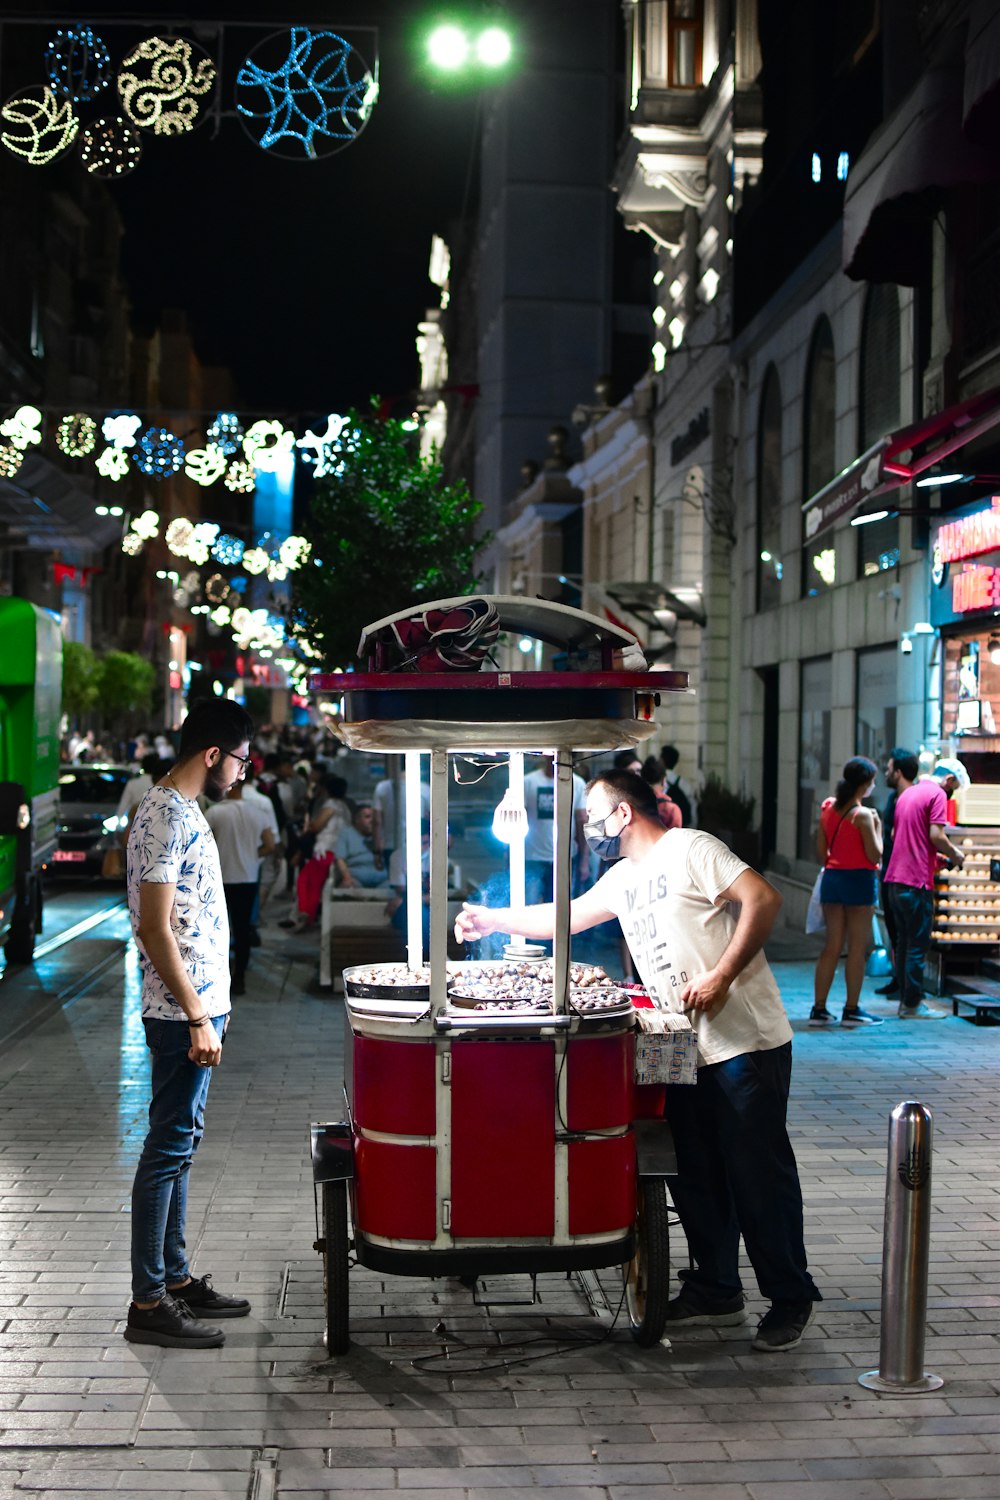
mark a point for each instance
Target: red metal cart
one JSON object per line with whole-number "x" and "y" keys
{"x": 485, "y": 1141}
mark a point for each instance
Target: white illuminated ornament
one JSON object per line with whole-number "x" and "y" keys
{"x": 205, "y": 465}
{"x": 112, "y": 463}
{"x": 255, "y": 560}
{"x": 276, "y": 571}
{"x": 265, "y": 443}
{"x": 216, "y": 589}
{"x": 110, "y": 148}
{"x": 221, "y": 616}
{"x": 239, "y": 478}
{"x": 11, "y": 459}
{"x": 120, "y": 430}
{"x": 242, "y": 620}
{"x": 24, "y": 428}
{"x": 294, "y": 551}
{"x": 147, "y": 525}
{"x": 181, "y": 598}
{"x": 132, "y": 544}
{"x": 44, "y": 126}
{"x": 76, "y": 435}
{"x": 161, "y": 92}
{"x": 200, "y": 545}
{"x": 322, "y": 446}
{"x": 192, "y": 582}
{"x": 178, "y": 536}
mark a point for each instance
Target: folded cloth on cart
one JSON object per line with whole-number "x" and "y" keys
{"x": 448, "y": 640}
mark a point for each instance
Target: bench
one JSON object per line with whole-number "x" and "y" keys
{"x": 982, "y": 999}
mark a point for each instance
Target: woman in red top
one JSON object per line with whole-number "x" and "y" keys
{"x": 849, "y": 845}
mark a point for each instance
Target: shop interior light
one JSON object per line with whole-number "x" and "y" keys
{"x": 875, "y": 515}
{"x": 937, "y": 481}
{"x": 510, "y": 820}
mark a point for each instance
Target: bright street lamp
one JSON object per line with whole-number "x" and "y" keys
{"x": 451, "y": 47}
{"x": 493, "y": 47}
{"x": 448, "y": 47}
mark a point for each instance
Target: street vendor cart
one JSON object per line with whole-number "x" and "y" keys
{"x": 493, "y": 1123}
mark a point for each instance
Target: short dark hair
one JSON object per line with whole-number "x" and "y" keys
{"x": 628, "y": 786}
{"x": 653, "y": 770}
{"x": 214, "y": 721}
{"x": 670, "y": 755}
{"x": 625, "y": 758}
{"x": 906, "y": 762}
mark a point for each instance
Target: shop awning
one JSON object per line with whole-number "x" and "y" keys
{"x": 898, "y": 458}
{"x": 896, "y": 186}
{"x": 45, "y": 509}
{"x": 981, "y": 102}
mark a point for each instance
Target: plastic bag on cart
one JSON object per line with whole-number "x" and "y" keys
{"x": 815, "y": 920}
{"x": 666, "y": 1048}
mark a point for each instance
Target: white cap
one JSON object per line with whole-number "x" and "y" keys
{"x": 952, "y": 768}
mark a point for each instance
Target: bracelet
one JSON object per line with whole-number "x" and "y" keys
{"x": 201, "y": 1021}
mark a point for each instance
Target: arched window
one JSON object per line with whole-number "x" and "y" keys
{"x": 878, "y": 412}
{"x": 769, "y": 564}
{"x": 819, "y": 569}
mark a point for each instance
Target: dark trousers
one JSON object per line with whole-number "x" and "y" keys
{"x": 737, "y": 1175}
{"x": 890, "y": 927}
{"x": 912, "y": 909}
{"x": 239, "y": 901}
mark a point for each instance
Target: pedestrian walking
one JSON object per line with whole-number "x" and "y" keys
{"x": 179, "y": 920}
{"x": 901, "y": 771}
{"x": 244, "y": 833}
{"x": 696, "y": 919}
{"x": 849, "y": 846}
{"x": 919, "y": 842}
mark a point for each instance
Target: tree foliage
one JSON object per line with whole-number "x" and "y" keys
{"x": 125, "y": 683}
{"x": 386, "y": 531}
{"x": 79, "y": 683}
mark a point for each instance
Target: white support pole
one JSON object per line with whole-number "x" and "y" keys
{"x": 516, "y": 786}
{"x": 414, "y": 867}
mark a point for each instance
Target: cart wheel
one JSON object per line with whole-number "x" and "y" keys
{"x": 647, "y": 1274}
{"x": 336, "y": 1297}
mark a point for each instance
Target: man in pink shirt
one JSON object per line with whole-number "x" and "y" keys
{"x": 919, "y": 839}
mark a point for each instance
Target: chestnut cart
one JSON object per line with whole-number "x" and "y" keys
{"x": 487, "y": 1139}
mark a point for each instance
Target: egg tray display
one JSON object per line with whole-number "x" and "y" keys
{"x": 501, "y": 985}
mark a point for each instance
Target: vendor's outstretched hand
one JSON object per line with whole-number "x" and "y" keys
{"x": 473, "y": 922}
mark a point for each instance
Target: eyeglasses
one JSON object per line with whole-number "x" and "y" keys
{"x": 244, "y": 760}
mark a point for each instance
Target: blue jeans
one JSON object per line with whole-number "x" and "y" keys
{"x": 159, "y": 1192}
{"x": 912, "y": 909}
{"x": 737, "y": 1174}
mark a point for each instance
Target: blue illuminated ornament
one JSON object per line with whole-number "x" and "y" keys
{"x": 313, "y": 100}
{"x": 228, "y": 550}
{"x": 78, "y": 64}
{"x": 158, "y": 453}
{"x": 110, "y": 148}
{"x": 239, "y": 584}
{"x": 226, "y": 432}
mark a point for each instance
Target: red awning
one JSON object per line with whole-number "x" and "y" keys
{"x": 899, "y": 457}
{"x": 897, "y": 184}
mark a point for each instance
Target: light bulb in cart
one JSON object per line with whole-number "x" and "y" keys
{"x": 510, "y": 820}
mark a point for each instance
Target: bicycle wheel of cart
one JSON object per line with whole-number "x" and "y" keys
{"x": 647, "y": 1274}
{"x": 336, "y": 1297}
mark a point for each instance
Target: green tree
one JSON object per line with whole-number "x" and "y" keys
{"x": 386, "y": 531}
{"x": 125, "y": 684}
{"x": 79, "y": 681}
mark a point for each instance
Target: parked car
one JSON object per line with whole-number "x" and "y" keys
{"x": 88, "y": 824}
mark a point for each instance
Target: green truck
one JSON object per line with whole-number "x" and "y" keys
{"x": 30, "y": 708}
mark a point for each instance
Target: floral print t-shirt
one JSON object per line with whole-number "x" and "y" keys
{"x": 171, "y": 843}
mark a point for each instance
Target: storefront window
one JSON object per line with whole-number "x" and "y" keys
{"x": 819, "y": 563}
{"x": 769, "y": 565}
{"x": 876, "y": 700}
{"x": 815, "y": 697}
{"x": 879, "y": 413}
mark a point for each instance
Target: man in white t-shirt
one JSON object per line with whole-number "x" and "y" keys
{"x": 178, "y": 913}
{"x": 539, "y": 842}
{"x": 245, "y": 831}
{"x": 695, "y": 918}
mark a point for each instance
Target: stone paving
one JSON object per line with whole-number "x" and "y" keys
{"x": 542, "y": 1399}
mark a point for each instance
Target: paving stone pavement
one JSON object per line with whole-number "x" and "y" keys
{"x": 528, "y": 1400}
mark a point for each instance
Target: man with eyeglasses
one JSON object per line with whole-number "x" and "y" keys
{"x": 178, "y": 912}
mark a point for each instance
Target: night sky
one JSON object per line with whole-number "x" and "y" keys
{"x": 306, "y": 279}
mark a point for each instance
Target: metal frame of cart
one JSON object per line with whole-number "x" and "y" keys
{"x": 475, "y": 1142}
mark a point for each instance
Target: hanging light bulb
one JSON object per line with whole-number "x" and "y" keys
{"x": 510, "y": 820}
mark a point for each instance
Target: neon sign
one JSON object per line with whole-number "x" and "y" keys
{"x": 970, "y": 535}
{"x": 975, "y": 588}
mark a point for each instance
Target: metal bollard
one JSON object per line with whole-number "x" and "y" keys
{"x": 905, "y": 1254}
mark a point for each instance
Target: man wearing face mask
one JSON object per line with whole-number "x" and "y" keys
{"x": 695, "y": 918}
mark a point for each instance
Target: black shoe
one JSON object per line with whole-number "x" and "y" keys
{"x": 690, "y": 1309}
{"x": 201, "y": 1296}
{"x": 171, "y": 1325}
{"x": 782, "y": 1326}
{"x": 892, "y": 988}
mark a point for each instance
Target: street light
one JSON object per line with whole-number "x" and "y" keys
{"x": 453, "y": 46}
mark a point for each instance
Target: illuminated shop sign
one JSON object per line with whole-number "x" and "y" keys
{"x": 970, "y": 536}
{"x": 975, "y": 588}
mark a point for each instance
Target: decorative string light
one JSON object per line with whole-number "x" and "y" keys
{"x": 178, "y": 536}
{"x": 239, "y": 584}
{"x": 110, "y": 148}
{"x": 11, "y": 459}
{"x": 216, "y": 589}
{"x": 255, "y": 560}
{"x": 76, "y": 435}
{"x": 221, "y": 615}
{"x": 120, "y": 430}
{"x": 320, "y": 449}
{"x": 262, "y": 437}
{"x": 200, "y": 546}
{"x": 132, "y": 543}
{"x": 316, "y": 99}
{"x": 147, "y": 525}
{"x": 239, "y": 478}
{"x": 226, "y": 432}
{"x": 228, "y": 550}
{"x": 158, "y": 453}
{"x": 162, "y": 90}
{"x": 242, "y": 619}
{"x": 294, "y": 551}
{"x": 23, "y": 428}
{"x": 276, "y": 571}
{"x": 78, "y": 64}
{"x": 112, "y": 463}
{"x": 205, "y": 465}
{"x": 44, "y": 126}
